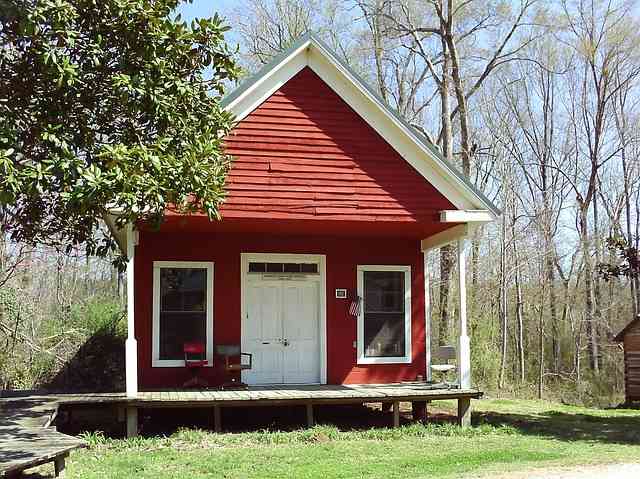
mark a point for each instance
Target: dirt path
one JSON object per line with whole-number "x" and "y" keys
{"x": 605, "y": 471}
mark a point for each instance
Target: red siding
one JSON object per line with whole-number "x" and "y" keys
{"x": 342, "y": 257}
{"x": 305, "y": 154}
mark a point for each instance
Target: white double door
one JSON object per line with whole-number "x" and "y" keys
{"x": 281, "y": 328}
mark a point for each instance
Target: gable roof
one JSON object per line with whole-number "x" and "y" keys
{"x": 618, "y": 338}
{"x": 414, "y": 147}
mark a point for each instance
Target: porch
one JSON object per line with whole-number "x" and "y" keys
{"x": 390, "y": 395}
{"x": 419, "y": 394}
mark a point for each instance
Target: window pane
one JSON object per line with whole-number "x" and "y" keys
{"x": 384, "y": 314}
{"x": 274, "y": 267}
{"x": 183, "y": 306}
{"x": 309, "y": 268}
{"x": 257, "y": 267}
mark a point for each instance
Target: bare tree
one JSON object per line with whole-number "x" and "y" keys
{"x": 600, "y": 39}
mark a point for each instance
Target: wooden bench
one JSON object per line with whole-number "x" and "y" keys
{"x": 22, "y": 448}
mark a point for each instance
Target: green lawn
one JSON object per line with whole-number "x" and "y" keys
{"x": 509, "y": 435}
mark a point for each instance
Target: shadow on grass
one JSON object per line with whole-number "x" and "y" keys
{"x": 246, "y": 419}
{"x": 567, "y": 426}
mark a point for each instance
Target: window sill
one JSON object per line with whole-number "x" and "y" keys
{"x": 173, "y": 363}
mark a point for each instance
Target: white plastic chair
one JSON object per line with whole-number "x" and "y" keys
{"x": 445, "y": 354}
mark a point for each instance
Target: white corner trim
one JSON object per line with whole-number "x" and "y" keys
{"x": 465, "y": 216}
{"x": 156, "y": 362}
{"x": 407, "y": 358}
{"x": 445, "y": 237}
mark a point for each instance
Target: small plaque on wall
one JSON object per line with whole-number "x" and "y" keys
{"x": 341, "y": 293}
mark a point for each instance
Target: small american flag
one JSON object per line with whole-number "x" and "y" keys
{"x": 354, "y": 308}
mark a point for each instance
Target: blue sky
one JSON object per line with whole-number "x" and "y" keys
{"x": 205, "y": 8}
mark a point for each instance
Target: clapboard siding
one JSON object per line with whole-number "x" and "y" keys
{"x": 632, "y": 362}
{"x": 305, "y": 154}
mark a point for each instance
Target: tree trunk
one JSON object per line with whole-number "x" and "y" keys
{"x": 633, "y": 280}
{"x": 592, "y": 342}
{"x": 446, "y": 263}
{"x": 503, "y": 305}
{"x": 553, "y": 312}
{"x": 444, "y": 331}
{"x": 541, "y": 353}
{"x": 519, "y": 314}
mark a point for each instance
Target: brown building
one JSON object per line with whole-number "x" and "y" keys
{"x": 630, "y": 338}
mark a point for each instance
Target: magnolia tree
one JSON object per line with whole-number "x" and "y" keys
{"x": 105, "y": 104}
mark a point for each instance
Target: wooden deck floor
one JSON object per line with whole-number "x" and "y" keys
{"x": 275, "y": 395}
{"x": 26, "y": 438}
{"x": 280, "y": 395}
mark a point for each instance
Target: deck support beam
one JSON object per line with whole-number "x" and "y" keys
{"x": 396, "y": 413}
{"x": 310, "y": 419}
{"x": 464, "y": 412}
{"x": 419, "y": 410}
{"x": 217, "y": 419}
{"x": 59, "y": 466}
{"x": 132, "y": 421}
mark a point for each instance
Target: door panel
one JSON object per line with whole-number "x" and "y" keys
{"x": 262, "y": 332}
{"x": 301, "y": 330}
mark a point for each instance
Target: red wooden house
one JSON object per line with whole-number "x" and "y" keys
{"x": 317, "y": 266}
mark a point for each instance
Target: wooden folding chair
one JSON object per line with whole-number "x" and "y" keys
{"x": 235, "y": 361}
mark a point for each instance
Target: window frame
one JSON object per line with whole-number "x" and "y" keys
{"x": 406, "y": 359}
{"x": 156, "y": 362}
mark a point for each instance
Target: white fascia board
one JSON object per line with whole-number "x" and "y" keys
{"x": 445, "y": 237}
{"x": 403, "y": 139}
{"x": 119, "y": 234}
{"x": 466, "y": 216}
{"x": 393, "y": 132}
{"x": 268, "y": 84}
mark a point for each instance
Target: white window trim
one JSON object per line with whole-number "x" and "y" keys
{"x": 175, "y": 363}
{"x": 406, "y": 359}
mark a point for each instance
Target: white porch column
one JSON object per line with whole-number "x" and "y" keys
{"x": 131, "y": 345}
{"x": 464, "y": 348}
{"x": 427, "y": 316}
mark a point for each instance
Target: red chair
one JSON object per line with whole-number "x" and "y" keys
{"x": 194, "y": 360}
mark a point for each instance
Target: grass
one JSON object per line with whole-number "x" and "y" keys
{"x": 509, "y": 435}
